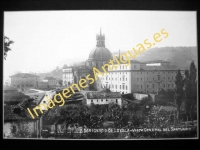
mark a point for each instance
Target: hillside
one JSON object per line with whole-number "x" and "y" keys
{"x": 57, "y": 73}
{"x": 179, "y": 56}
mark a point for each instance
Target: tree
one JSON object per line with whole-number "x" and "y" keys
{"x": 191, "y": 90}
{"x": 92, "y": 86}
{"x": 7, "y": 43}
{"x": 60, "y": 82}
{"x": 179, "y": 91}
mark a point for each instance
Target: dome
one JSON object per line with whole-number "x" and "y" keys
{"x": 100, "y": 54}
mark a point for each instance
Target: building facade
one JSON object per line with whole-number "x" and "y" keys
{"x": 102, "y": 98}
{"x": 25, "y": 80}
{"x": 97, "y": 57}
{"x": 141, "y": 77}
{"x": 51, "y": 81}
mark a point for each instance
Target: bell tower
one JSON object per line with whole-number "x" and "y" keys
{"x": 100, "y": 40}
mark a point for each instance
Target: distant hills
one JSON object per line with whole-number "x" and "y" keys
{"x": 179, "y": 56}
{"x": 57, "y": 73}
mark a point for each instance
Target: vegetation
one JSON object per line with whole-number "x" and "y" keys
{"x": 179, "y": 92}
{"x": 7, "y": 43}
{"x": 191, "y": 92}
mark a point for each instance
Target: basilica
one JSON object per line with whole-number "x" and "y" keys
{"x": 139, "y": 77}
{"x": 97, "y": 57}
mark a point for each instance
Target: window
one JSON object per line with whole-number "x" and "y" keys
{"x": 147, "y": 86}
{"x": 123, "y": 67}
{"x": 141, "y": 86}
{"x": 168, "y": 85}
{"x": 134, "y": 66}
{"x": 106, "y": 100}
{"x": 138, "y": 79}
{"x": 120, "y": 86}
{"x": 153, "y": 78}
{"x": 123, "y": 86}
{"x": 141, "y": 79}
{"x": 158, "y": 77}
{"x": 116, "y": 101}
{"x": 97, "y": 100}
{"x": 153, "y": 85}
{"x": 126, "y": 79}
{"x": 147, "y": 78}
{"x": 102, "y": 100}
{"x": 120, "y": 79}
{"x": 91, "y": 100}
{"x": 116, "y": 86}
{"x": 147, "y": 72}
{"x": 126, "y": 87}
{"x": 120, "y": 67}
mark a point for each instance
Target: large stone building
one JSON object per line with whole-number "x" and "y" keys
{"x": 97, "y": 57}
{"x": 24, "y": 80}
{"x": 140, "y": 77}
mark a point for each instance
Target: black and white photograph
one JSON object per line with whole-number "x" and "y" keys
{"x": 100, "y": 75}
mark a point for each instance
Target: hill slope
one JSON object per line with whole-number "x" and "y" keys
{"x": 179, "y": 56}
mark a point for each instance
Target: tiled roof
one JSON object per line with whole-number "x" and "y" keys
{"x": 50, "y": 78}
{"x": 99, "y": 95}
{"x": 24, "y": 75}
{"x": 11, "y": 88}
{"x": 155, "y": 61}
{"x": 159, "y": 68}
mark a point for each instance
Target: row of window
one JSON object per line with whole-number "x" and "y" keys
{"x": 121, "y": 79}
{"x": 154, "y": 78}
{"x": 103, "y": 100}
{"x": 172, "y": 85}
{"x": 120, "y": 86}
{"x": 27, "y": 85}
{"x": 158, "y": 72}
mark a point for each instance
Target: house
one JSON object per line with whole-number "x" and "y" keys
{"x": 103, "y": 98}
{"x": 51, "y": 81}
{"x": 24, "y": 81}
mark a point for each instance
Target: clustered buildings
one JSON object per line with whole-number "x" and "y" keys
{"x": 141, "y": 77}
{"x": 146, "y": 77}
{"x": 26, "y": 81}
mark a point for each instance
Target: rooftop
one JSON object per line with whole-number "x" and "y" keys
{"x": 50, "y": 78}
{"x": 24, "y": 75}
{"x": 159, "y": 68}
{"x": 99, "y": 95}
{"x": 155, "y": 61}
{"x": 10, "y": 88}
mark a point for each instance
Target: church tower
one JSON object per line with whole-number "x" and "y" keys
{"x": 100, "y": 40}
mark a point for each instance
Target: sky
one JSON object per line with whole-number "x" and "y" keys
{"x": 44, "y": 40}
